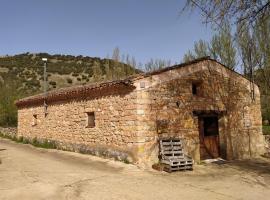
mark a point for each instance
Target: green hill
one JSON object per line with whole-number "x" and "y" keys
{"x": 22, "y": 75}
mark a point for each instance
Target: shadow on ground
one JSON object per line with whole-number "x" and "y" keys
{"x": 260, "y": 166}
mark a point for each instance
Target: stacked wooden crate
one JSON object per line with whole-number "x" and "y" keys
{"x": 172, "y": 155}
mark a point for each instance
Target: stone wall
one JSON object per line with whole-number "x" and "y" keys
{"x": 167, "y": 106}
{"x": 66, "y": 123}
{"x": 128, "y": 126}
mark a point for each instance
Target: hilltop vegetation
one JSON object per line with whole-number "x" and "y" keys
{"x": 22, "y": 75}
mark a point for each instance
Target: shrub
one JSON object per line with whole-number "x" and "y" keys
{"x": 20, "y": 139}
{"x": 47, "y": 144}
{"x": 266, "y": 130}
{"x": 84, "y": 77}
{"x": 25, "y": 141}
{"x": 69, "y": 80}
{"x": 52, "y": 83}
{"x": 35, "y": 142}
{"x": 8, "y": 113}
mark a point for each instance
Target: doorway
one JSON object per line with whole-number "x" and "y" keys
{"x": 209, "y": 137}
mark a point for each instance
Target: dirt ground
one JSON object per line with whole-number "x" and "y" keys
{"x": 27, "y": 172}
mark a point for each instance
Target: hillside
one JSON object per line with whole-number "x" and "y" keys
{"x": 22, "y": 75}
{"x": 63, "y": 70}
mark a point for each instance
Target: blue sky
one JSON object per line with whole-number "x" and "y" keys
{"x": 143, "y": 28}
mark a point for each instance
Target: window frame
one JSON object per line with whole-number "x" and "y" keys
{"x": 196, "y": 88}
{"x": 91, "y": 116}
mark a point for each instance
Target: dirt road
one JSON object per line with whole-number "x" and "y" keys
{"x": 31, "y": 173}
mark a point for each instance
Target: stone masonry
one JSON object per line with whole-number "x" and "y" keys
{"x": 130, "y": 119}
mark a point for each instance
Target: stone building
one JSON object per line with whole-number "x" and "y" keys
{"x": 215, "y": 110}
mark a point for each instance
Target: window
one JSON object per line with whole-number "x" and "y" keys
{"x": 90, "y": 119}
{"x": 142, "y": 84}
{"x": 196, "y": 88}
{"x": 34, "y": 122}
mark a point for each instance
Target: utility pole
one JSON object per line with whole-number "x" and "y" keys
{"x": 45, "y": 85}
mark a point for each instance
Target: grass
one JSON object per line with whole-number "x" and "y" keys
{"x": 126, "y": 161}
{"x": 47, "y": 144}
{"x": 266, "y": 130}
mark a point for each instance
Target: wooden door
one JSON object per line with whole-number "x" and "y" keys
{"x": 209, "y": 137}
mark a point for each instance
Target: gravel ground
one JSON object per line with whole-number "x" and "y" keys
{"x": 27, "y": 172}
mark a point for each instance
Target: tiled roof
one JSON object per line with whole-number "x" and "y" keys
{"x": 78, "y": 92}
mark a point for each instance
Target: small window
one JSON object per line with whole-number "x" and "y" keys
{"x": 142, "y": 84}
{"x": 90, "y": 120}
{"x": 194, "y": 88}
{"x": 34, "y": 122}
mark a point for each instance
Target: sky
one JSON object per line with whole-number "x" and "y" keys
{"x": 144, "y": 29}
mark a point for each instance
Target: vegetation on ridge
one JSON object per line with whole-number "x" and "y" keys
{"x": 22, "y": 75}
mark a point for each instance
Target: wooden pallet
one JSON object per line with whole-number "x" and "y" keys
{"x": 168, "y": 168}
{"x": 172, "y": 155}
{"x": 178, "y": 162}
{"x": 171, "y": 149}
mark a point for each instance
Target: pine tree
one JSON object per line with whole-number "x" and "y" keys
{"x": 97, "y": 72}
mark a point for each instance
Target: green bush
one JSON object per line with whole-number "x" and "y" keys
{"x": 84, "y": 77}
{"x": 266, "y": 130}
{"x": 26, "y": 141}
{"x": 69, "y": 80}
{"x": 52, "y": 83}
{"x": 35, "y": 142}
{"x": 8, "y": 110}
{"x": 47, "y": 144}
{"x": 20, "y": 139}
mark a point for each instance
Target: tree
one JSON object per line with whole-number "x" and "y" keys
{"x": 261, "y": 38}
{"x": 220, "y": 48}
{"x": 201, "y": 49}
{"x": 253, "y": 46}
{"x": 116, "y": 54}
{"x": 247, "y": 50}
{"x": 233, "y": 11}
{"x": 97, "y": 72}
{"x": 156, "y": 64}
{"x": 133, "y": 62}
{"x": 108, "y": 70}
{"x": 189, "y": 56}
{"x": 8, "y": 110}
